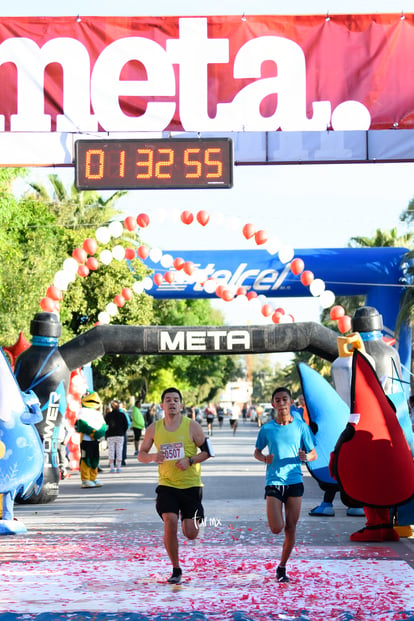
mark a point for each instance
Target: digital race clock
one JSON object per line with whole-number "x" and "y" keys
{"x": 163, "y": 163}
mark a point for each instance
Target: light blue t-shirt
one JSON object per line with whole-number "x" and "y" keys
{"x": 284, "y": 442}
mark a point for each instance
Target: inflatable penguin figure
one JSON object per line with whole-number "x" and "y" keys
{"x": 372, "y": 461}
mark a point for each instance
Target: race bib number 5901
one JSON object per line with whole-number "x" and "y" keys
{"x": 174, "y": 450}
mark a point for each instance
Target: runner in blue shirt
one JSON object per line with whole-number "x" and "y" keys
{"x": 289, "y": 442}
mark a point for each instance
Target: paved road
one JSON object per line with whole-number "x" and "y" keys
{"x": 98, "y": 554}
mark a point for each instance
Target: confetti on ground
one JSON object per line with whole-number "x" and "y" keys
{"x": 123, "y": 572}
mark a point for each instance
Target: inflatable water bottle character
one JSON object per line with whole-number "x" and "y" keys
{"x": 368, "y": 322}
{"x": 41, "y": 368}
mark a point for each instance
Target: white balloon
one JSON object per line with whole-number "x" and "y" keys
{"x": 118, "y": 252}
{"x": 217, "y": 218}
{"x": 286, "y": 254}
{"x": 155, "y": 254}
{"x": 160, "y": 215}
{"x": 200, "y": 275}
{"x": 147, "y": 283}
{"x": 61, "y": 280}
{"x": 174, "y": 214}
{"x": 210, "y": 285}
{"x": 102, "y": 235}
{"x": 272, "y": 245}
{"x": 233, "y": 223}
{"x": 138, "y": 287}
{"x": 111, "y": 309}
{"x": 166, "y": 260}
{"x": 180, "y": 277}
{"x": 116, "y": 228}
{"x": 70, "y": 265}
{"x": 317, "y": 287}
{"x": 106, "y": 257}
{"x": 327, "y": 298}
{"x": 103, "y": 317}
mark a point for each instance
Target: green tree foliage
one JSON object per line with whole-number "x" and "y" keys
{"x": 39, "y": 231}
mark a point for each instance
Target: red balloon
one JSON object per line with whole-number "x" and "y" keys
{"x": 157, "y": 278}
{"x": 80, "y": 255}
{"x": 276, "y": 317}
{"x": 54, "y": 293}
{"x": 178, "y": 263}
{"x": 227, "y": 295}
{"x": 130, "y": 223}
{"x": 251, "y": 295}
{"x": 281, "y": 311}
{"x": 297, "y": 266}
{"x": 188, "y": 267}
{"x": 127, "y": 293}
{"x": 90, "y": 245}
{"x": 219, "y": 290}
{"x": 336, "y": 312}
{"x": 129, "y": 254}
{"x": 203, "y": 218}
{"x": 169, "y": 277}
{"x": 267, "y": 310}
{"x": 241, "y": 291}
{"x": 261, "y": 237}
{"x": 344, "y": 324}
{"x": 143, "y": 252}
{"x": 292, "y": 318}
{"x": 47, "y": 305}
{"x": 187, "y": 217}
{"x": 143, "y": 220}
{"x": 92, "y": 264}
{"x": 83, "y": 271}
{"x": 248, "y": 231}
{"x": 306, "y": 278}
{"x": 119, "y": 300}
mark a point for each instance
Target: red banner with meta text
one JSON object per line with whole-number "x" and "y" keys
{"x": 222, "y": 73}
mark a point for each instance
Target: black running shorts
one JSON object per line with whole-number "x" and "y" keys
{"x": 186, "y": 502}
{"x": 283, "y": 492}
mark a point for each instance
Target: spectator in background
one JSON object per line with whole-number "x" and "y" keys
{"x": 220, "y": 415}
{"x": 115, "y": 435}
{"x": 125, "y": 446}
{"x": 259, "y": 412}
{"x": 150, "y": 415}
{"x": 210, "y": 413}
{"x": 138, "y": 423}
{"x": 234, "y": 416}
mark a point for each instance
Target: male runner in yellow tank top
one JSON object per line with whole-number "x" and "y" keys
{"x": 177, "y": 439}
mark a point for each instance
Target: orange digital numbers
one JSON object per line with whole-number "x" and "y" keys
{"x": 95, "y": 162}
{"x": 145, "y": 163}
{"x": 194, "y": 164}
{"x": 161, "y": 163}
{"x": 217, "y": 164}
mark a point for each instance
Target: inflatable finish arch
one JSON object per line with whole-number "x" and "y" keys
{"x": 377, "y": 273}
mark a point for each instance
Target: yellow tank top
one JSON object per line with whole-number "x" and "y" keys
{"x": 176, "y": 445}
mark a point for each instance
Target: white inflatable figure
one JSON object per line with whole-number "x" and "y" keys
{"x": 21, "y": 449}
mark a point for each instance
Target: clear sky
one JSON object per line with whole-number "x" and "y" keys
{"x": 304, "y": 206}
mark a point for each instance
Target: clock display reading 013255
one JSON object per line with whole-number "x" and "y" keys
{"x": 164, "y": 163}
